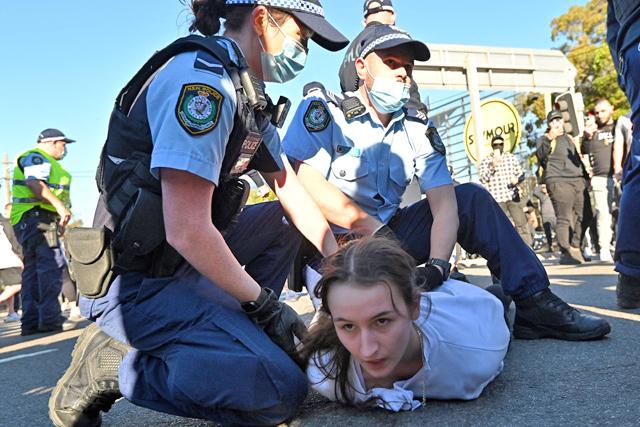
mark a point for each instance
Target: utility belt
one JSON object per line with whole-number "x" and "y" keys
{"x": 47, "y": 224}
{"x": 97, "y": 255}
{"x": 42, "y": 214}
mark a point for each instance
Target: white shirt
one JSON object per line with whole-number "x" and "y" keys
{"x": 8, "y": 258}
{"x": 465, "y": 341}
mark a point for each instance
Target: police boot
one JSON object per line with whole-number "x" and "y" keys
{"x": 544, "y": 315}
{"x": 90, "y": 384}
{"x": 628, "y": 292}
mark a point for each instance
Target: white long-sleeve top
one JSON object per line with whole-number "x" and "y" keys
{"x": 465, "y": 340}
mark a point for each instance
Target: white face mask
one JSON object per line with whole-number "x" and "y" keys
{"x": 387, "y": 96}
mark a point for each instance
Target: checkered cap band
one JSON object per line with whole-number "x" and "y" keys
{"x": 377, "y": 42}
{"x": 297, "y": 5}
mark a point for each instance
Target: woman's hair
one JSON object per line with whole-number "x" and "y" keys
{"x": 367, "y": 261}
{"x": 207, "y": 15}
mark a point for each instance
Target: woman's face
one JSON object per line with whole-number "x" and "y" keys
{"x": 377, "y": 334}
{"x": 274, "y": 33}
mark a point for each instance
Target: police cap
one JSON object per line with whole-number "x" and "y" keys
{"x": 50, "y": 134}
{"x": 311, "y": 14}
{"x": 377, "y": 37}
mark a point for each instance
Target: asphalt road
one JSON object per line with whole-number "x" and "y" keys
{"x": 544, "y": 383}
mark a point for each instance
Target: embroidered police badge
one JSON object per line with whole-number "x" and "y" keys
{"x": 37, "y": 160}
{"x": 317, "y": 117}
{"x": 436, "y": 141}
{"x": 198, "y": 108}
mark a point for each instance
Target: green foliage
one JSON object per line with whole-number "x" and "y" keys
{"x": 582, "y": 34}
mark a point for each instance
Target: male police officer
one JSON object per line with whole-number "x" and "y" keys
{"x": 39, "y": 214}
{"x": 357, "y": 155}
{"x": 375, "y": 12}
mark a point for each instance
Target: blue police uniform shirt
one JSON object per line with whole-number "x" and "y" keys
{"x": 190, "y": 107}
{"x": 371, "y": 164}
{"x": 35, "y": 166}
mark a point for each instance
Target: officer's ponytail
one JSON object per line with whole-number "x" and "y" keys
{"x": 207, "y": 15}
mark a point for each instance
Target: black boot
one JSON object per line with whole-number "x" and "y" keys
{"x": 544, "y": 315}
{"x": 628, "y": 292}
{"x": 90, "y": 384}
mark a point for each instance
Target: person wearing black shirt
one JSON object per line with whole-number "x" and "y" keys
{"x": 598, "y": 144}
{"x": 563, "y": 175}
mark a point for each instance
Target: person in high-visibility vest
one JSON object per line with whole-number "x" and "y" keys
{"x": 39, "y": 214}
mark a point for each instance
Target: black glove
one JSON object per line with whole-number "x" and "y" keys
{"x": 278, "y": 320}
{"x": 428, "y": 278}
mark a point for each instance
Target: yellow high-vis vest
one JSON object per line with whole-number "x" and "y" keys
{"x": 59, "y": 183}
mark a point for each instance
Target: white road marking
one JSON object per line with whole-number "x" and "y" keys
{"x": 24, "y": 356}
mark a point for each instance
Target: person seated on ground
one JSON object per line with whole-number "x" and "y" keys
{"x": 382, "y": 342}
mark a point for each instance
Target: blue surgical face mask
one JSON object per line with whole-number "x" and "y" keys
{"x": 287, "y": 64}
{"x": 387, "y": 96}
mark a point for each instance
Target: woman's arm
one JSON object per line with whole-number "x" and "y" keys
{"x": 302, "y": 209}
{"x": 186, "y": 204}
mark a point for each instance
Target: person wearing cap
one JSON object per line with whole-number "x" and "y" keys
{"x": 39, "y": 213}
{"x": 563, "y": 175}
{"x": 375, "y": 12}
{"x": 357, "y": 165}
{"x": 501, "y": 173}
{"x": 206, "y": 337}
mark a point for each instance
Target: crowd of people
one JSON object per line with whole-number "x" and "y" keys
{"x": 578, "y": 186}
{"x": 185, "y": 312}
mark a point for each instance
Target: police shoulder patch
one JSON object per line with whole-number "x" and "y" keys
{"x": 316, "y": 118}
{"x": 198, "y": 109}
{"x": 36, "y": 159}
{"x": 435, "y": 140}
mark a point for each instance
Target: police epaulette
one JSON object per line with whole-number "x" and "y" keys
{"x": 416, "y": 115}
{"x": 351, "y": 106}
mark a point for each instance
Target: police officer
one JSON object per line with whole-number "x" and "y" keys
{"x": 375, "y": 12}
{"x": 39, "y": 214}
{"x": 357, "y": 155}
{"x": 209, "y": 339}
{"x": 623, "y": 37}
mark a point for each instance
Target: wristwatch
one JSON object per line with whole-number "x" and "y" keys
{"x": 446, "y": 267}
{"x": 251, "y": 306}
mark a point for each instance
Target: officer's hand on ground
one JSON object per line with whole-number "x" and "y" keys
{"x": 428, "y": 278}
{"x": 280, "y": 322}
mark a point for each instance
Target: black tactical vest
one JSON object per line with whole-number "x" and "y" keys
{"x": 130, "y": 197}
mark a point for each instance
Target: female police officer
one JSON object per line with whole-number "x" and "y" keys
{"x": 197, "y": 350}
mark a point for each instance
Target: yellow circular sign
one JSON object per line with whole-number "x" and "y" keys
{"x": 499, "y": 117}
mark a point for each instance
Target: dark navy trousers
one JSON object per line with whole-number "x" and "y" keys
{"x": 627, "y": 254}
{"x": 485, "y": 230}
{"x": 41, "y": 277}
{"x": 196, "y": 353}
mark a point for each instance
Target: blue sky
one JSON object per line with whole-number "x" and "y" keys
{"x": 63, "y": 62}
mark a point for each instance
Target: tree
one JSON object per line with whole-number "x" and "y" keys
{"x": 582, "y": 34}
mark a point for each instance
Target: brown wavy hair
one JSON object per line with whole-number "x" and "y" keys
{"x": 367, "y": 261}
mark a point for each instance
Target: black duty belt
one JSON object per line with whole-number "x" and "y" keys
{"x": 43, "y": 214}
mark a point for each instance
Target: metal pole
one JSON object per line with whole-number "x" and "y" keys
{"x": 474, "y": 95}
{"x": 6, "y": 179}
{"x": 548, "y": 106}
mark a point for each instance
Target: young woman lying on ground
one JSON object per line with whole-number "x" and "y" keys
{"x": 383, "y": 342}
